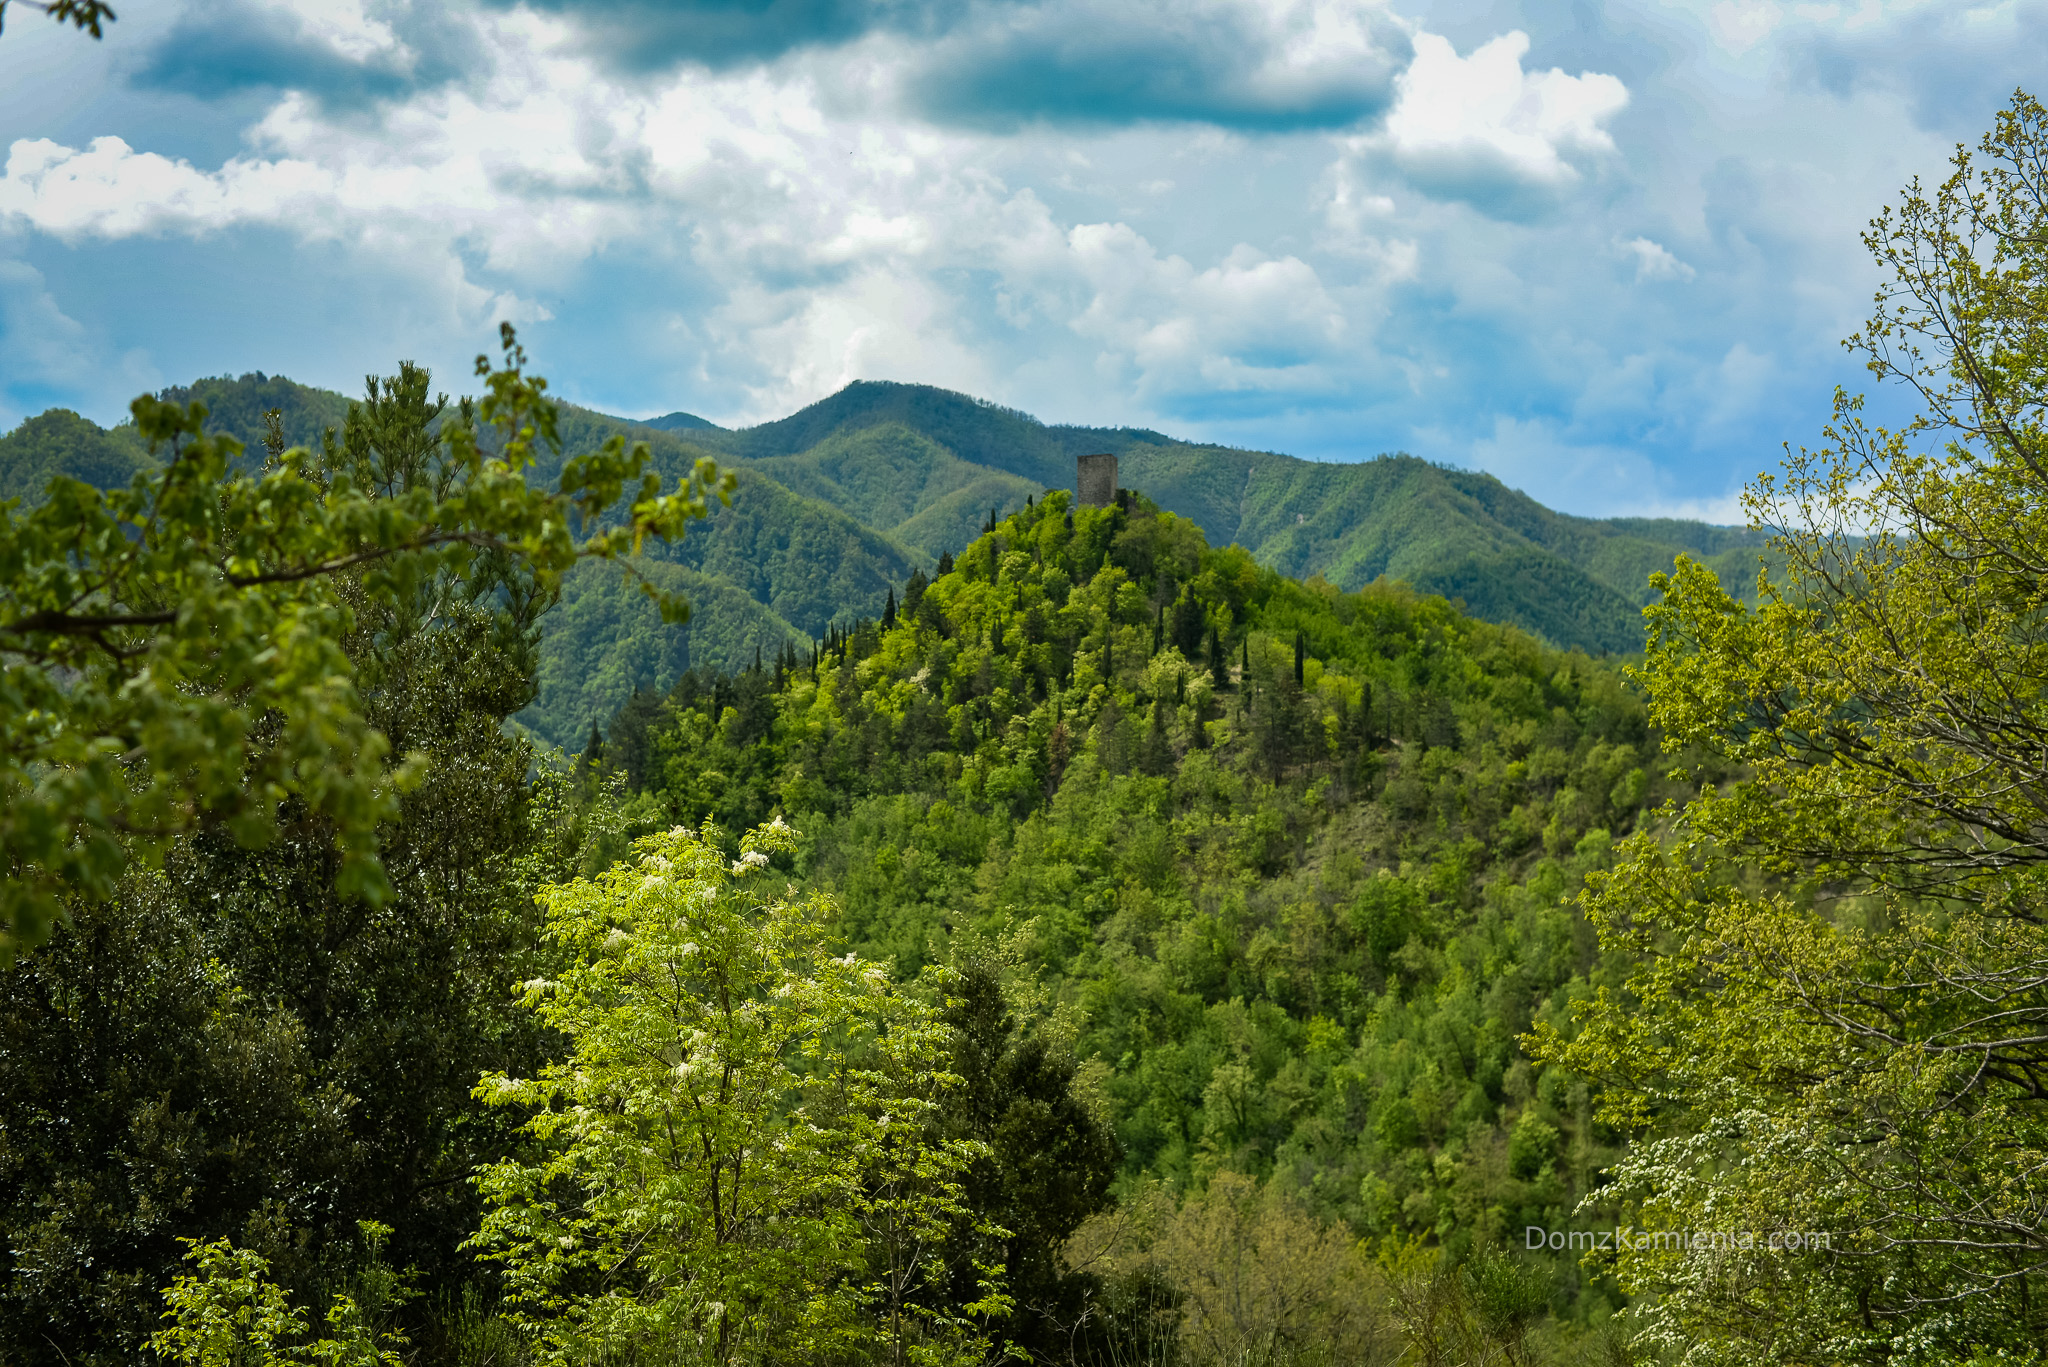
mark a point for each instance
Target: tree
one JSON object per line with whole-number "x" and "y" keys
{"x": 89, "y": 16}
{"x": 229, "y": 1046}
{"x": 171, "y": 653}
{"x": 1046, "y": 1163}
{"x": 1837, "y": 1022}
{"x": 229, "y": 1315}
{"x": 736, "y": 1157}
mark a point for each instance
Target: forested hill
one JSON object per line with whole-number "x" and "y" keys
{"x": 847, "y": 496}
{"x": 924, "y": 462}
{"x": 1299, "y": 861}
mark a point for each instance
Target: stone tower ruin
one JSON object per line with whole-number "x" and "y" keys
{"x": 1095, "y": 478}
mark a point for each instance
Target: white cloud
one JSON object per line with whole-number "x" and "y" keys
{"x": 880, "y": 324}
{"x": 1654, "y": 261}
{"x": 744, "y": 240}
{"x": 1248, "y": 322}
{"x": 1739, "y": 25}
{"x": 1315, "y": 47}
{"x": 1457, "y": 120}
{"x": 343, "y": 27}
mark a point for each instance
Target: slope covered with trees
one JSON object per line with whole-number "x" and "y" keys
{"x": 1575, "y": 581}
{"x": 1296, "y": 864}
{"x": 847, "y": 496}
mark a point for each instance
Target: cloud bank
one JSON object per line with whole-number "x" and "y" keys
{"x": 1608, "y": 264}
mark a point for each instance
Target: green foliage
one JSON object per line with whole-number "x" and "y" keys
{"x": 240, "y": 408}
{"x": 87, "y": 16}
{"x": 1833, "y": 1024}
{"x": 735, "y": 1159}
{"x": 1255, "y": 1278}
{"x": 230, "y": 1047}
{"x": 907, "y": 457}
{"x": 1045, "y": 1162}
{"x": 60, "y": 443}
{"x": 225, "y": 1314}
{"x": 846, "y": 496}
{"x": 1298, "y": 926}
{"x": 172, "y": 650}
{"x": 606, "y": 639}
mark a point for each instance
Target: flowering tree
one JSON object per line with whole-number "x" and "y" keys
{"x": 1838, "y": 1019}
{"x": 737, "y": 1159}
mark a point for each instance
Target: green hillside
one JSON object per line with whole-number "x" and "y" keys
{"x": 902, "y": 456}
{"x": 774, "y": 566}
{"x": 1296, "y": 861}
{"x": 606, "y": 639}
{"x": 847, "y": 496}
{"x": 60, "y": 442}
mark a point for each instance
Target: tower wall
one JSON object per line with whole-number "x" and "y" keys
{"x": 1095, "y": 480}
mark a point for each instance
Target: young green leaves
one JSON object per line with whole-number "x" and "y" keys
{"x": 170, "y": 651}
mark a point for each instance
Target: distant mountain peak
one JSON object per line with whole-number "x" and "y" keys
{"x": 678, "y": 421}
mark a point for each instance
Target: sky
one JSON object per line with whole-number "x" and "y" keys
{"x": 1606, "y": 252}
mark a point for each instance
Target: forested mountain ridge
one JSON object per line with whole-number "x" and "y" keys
{"x": 774, "y": 566}
{"x": 1297, "y": 861}
{"x": 845, "y": 497}
{"x": 1575, "y": 581}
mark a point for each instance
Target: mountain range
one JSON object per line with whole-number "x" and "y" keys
{"x": 849, "y": 496}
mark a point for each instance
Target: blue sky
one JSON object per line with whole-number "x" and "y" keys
{"x": 1604, "y": 251}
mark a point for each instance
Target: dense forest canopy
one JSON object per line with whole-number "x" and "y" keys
{"x": 1106, "y": 947}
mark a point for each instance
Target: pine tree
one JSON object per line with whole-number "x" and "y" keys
{"x": 889, "y": 611}
{"x": 945, "y": 563}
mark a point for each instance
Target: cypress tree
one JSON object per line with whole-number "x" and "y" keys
{"x": 889, "y": 610}
{"x": 1157, "y": 754}
{"x": 1158, "y": 628}
{"x": 1245, "y": 673}
{"x": 1300, "y": 661}
{"x": 1219, "y": 669}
